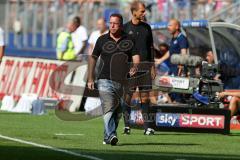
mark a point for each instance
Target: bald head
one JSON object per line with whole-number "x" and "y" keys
{"x": 174, "y": 26}
{"x": 101, "y": 25}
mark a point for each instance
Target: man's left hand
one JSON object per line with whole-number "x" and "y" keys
{"x": 133, "y": 71}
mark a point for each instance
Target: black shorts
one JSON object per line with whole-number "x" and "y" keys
{"x": 141, "y": 80}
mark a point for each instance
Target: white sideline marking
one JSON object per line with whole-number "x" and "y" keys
{"x": 49, "y": 147}
{"x": 68, "y": 134}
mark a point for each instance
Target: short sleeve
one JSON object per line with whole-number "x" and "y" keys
{"x": 150, "y": 35}
{"x": 135, "y": 50}
{"x": 151, "y": 44}
{"x": 83, "y": 33}
{"x": 183, "y": 43}
{"x": 91, "y": 38}
{"x": 97, "y": 48}
{"x": 1, "y": 37}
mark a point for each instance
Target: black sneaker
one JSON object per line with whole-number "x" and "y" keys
{"x": 126, "y": 130}
{"x": 113, "y": 140}
{"x": 149, "y": 132}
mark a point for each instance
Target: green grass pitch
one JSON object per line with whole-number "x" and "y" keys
{"x": 89, "y": 136}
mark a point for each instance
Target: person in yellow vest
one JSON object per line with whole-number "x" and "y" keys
{"x": 65, "y": 46}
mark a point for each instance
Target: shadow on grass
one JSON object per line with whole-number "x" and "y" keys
{"x": 234, "y": 134}
{"x": 159, "y": 133}
{"x": 158, "y": 144}
{"x": 35, "y": 153}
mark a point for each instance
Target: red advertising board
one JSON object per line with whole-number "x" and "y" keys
{"x": 20, "y": 76}
{"x": 235, "y": 123}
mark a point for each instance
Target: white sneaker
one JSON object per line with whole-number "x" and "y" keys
{"x": 149, "y": 131}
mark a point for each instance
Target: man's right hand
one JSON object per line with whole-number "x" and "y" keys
{"x": 180, "y": 70}
{"x": 132, "y": 71}
{"x": 90, "y": 85}
{"x": 220, "y": 94}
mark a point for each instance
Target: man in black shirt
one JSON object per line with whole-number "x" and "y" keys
{"x": 142, "y": 34}
{"x": 116, "y": 49}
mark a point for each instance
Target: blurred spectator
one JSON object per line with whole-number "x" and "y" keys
{"x": 65, "y": 46}
{"x": 178, "y": 44}
{"x": 234, "y": 105}
{"x": 181, "y": 3}
{"x": 210, "y": 60}
{"x": 17, "y": 26}
{"x": 101, "y": 29}
{"x": 2, "y": 44}
{"x": 79, "y": 38}
{"x": 163, "y": 7}
{"x": 210, "y": 57}
{"x": 218, "y": 5}
{"x": 204, "y": 8}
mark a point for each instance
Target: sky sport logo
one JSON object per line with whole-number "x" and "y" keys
{"x": 201, "y": 121}
{"x": 190, "y": 120}
{"x": 167, "y": 119}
